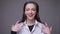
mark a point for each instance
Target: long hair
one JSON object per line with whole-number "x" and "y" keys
{"x": 37, "y": 12}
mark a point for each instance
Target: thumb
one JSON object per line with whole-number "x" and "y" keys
{"x": 46, "y": 24}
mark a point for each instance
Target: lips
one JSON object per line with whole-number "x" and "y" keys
{"x": 30, "y": 15}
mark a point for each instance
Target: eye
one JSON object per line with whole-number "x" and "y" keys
{"x": 33, "y": 9}
{"x": 27, "y": 9}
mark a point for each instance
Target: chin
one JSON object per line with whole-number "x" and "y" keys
{"x": 30, "y": 18}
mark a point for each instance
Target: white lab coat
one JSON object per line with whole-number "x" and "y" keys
{"x": 37, "y": 29}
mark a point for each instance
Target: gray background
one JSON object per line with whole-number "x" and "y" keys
{"x": 11, "y": 11}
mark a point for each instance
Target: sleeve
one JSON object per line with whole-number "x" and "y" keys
{"x": 13, "y": 32}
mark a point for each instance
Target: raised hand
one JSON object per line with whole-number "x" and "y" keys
{"x": 46, "y": 29}
{"x": 17, "y": 26}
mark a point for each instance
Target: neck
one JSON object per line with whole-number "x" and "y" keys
{"x": 30, "y": 22}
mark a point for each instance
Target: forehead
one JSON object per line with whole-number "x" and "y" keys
{"x": 30, "y": 5}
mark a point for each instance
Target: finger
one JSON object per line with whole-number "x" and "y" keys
{"x": 17, "y": 22}
{"x": 21, "y": 24}
{"x": 12, "y": 26}
{"x": 43, "y": 26}
{"x": 51, "y": 28}
{"x": 46, "y": 24}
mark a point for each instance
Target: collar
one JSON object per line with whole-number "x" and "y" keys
{"x": 36, "y": 22}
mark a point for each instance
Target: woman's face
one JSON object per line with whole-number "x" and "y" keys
{"x": 30, "y": 11}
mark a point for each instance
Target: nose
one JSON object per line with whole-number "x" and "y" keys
{"x": 30, "y": 11}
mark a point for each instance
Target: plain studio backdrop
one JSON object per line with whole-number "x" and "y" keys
{"x": 12, "y": 10}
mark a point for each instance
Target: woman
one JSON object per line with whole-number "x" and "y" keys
{"x": 30, "y": 23}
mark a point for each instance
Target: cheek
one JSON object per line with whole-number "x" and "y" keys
{"x": 26, "y": 13}
{"x": 34, "y": 13}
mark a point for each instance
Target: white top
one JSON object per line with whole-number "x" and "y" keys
{"x": 37, "y": 29}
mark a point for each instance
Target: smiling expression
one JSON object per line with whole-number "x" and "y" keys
{"x": 30, "y": 11}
